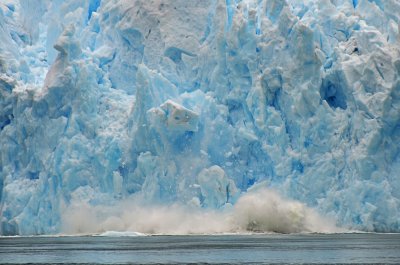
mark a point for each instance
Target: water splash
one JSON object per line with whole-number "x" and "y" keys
{"x": 260, "y": 210}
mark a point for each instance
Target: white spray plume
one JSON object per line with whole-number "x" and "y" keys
{"x": 260, "y": 210}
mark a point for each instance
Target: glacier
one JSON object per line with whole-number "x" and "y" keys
{"x": 105, "y": 104}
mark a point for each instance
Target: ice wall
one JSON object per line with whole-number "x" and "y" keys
{"x": 194, "y": 102}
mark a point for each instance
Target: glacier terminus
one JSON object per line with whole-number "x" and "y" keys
{"x": 211, "y": 116}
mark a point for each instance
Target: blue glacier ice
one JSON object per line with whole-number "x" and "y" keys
{"x": 112, "y": 107}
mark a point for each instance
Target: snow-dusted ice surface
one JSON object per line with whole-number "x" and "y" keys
{"x": 117, "y": 113}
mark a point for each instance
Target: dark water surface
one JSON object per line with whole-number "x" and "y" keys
{"x": 228, "y": 249}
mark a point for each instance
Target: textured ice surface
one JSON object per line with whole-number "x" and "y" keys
{"x": 193, "y": 102}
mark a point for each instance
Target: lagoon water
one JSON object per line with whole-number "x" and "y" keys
{"x": 207, "y": 249}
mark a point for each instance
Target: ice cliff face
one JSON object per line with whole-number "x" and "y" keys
{"x": 195, "y": 102}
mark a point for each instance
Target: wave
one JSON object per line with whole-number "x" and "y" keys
{"x": 121, "y": 234}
